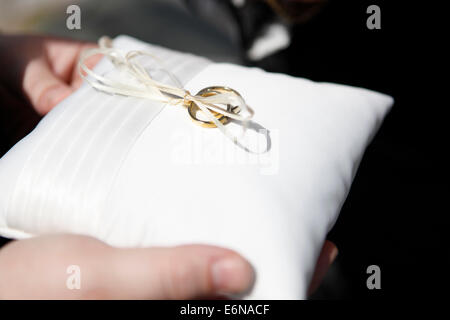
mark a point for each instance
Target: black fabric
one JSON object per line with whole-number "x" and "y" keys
{"x": 394, "y": 215}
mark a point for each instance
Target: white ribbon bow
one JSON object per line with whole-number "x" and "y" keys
{"x": 154, "y": 90}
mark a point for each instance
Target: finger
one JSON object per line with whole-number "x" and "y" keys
{"x": 37, "y": 268}
{"x": 326, "y": 258}
{"x": 63, "y": 55}
{"x": 42, "y": 87}
{"x": 157, "y": 273}
{"x": 184, "y": 272}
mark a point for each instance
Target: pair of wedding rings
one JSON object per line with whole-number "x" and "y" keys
{"x": 194, "y": 110}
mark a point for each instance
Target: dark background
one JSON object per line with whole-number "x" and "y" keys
{"x": 394, "y": 216}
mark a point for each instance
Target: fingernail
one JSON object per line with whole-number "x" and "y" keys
{"x": 232, "y": 275}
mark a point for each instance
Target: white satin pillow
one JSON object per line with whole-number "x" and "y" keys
{"x": 133, "y": 172}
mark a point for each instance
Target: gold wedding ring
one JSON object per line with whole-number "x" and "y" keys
{"x": 193, "y": 108}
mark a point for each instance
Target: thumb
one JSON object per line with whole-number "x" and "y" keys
{"x": 42, "y": 87}
{"x": 183, "y": 272}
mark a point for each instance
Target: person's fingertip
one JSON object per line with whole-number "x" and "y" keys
{"x": 334, "y": 253}
{"x": 332, "y": 250}
{"x": 232, "y": 275}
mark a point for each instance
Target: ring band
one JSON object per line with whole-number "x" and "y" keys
{"x": 206, "y": 92}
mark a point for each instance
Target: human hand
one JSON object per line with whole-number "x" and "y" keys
{"x": 42, "y": 69}
{"x": 36, "y": 269}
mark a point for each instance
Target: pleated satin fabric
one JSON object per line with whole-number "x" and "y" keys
{"x": 78, "y": 156}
